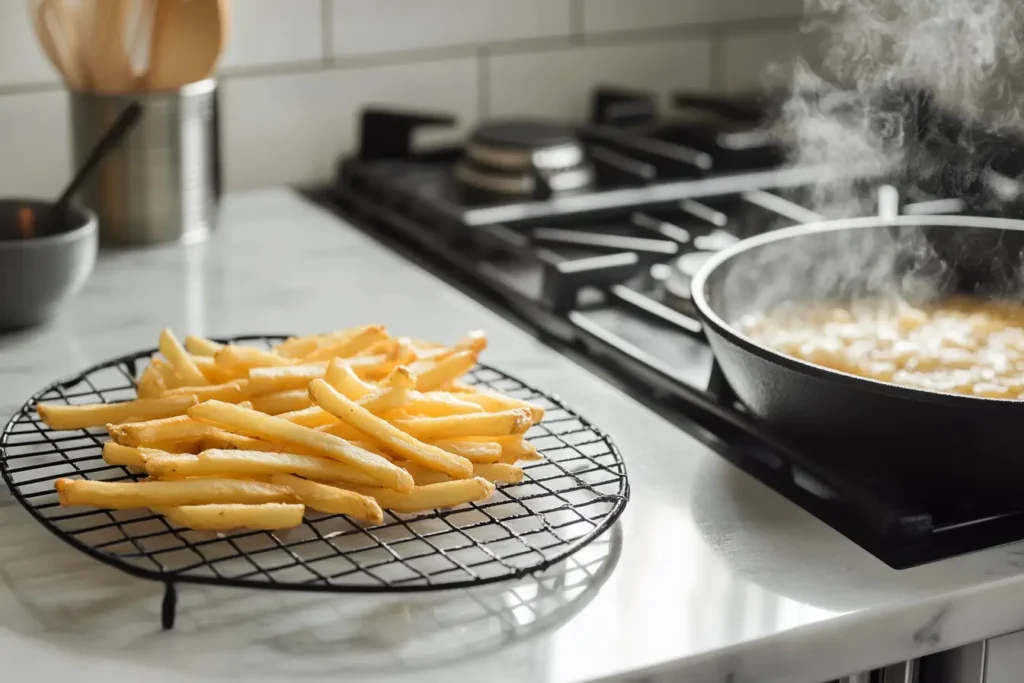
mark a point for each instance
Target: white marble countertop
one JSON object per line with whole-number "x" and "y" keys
{"x": 709, "y": 576}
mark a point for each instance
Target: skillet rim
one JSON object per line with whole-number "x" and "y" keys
{"x": 726, "y": 330}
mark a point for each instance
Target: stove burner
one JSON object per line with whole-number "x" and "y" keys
{"x": 677, "y": 283}
{"x": 524, "y": 158}
{"x": 604, "y": 272}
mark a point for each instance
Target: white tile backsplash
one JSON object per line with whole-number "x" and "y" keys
{"x": 559, "y": 82}
{"x": 600, "y": 16}
{"x": 297, "y": 72}
{"x": 369, "y": 26}
{"x": 274, "y": 32}
{"x": 21, "y": 59}
{"x": 291, "y": 128}
{"x": 34, "y": 144}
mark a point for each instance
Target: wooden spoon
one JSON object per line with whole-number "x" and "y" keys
{"x": 57, "y": 34}
{"x": 188, "y": 37}
{"x": 109, "y": 61}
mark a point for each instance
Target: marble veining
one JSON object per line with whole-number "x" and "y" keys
{"x": 930, "y": 634}
{"x": 709, "y": 576}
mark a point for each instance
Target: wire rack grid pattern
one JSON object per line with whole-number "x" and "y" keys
{"x": 564, "y": 501}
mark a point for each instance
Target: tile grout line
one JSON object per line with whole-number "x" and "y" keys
{"x": 326, "y": 33}
{"x": 717, "y": 37}
{"x": 576, "y": 21}
{"x": 483, "y": 83}
{"x": 522, "y": 46}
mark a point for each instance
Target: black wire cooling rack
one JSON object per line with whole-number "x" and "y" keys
{"x": 564, "y": 501}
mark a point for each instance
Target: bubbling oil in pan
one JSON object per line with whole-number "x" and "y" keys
{"x": 961, "y": 345}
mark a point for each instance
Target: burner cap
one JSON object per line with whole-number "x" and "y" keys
{"x": 523, "y": 134}
{"x": 677, "y": 284}
{"x": 525, "y": 158}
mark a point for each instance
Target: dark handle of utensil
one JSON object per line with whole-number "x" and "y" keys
{"x": 124, "y": 123}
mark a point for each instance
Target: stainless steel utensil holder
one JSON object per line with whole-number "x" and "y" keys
{"x": 162, "y": 183}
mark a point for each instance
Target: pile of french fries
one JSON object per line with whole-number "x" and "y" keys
{"x": 352, "y": 422}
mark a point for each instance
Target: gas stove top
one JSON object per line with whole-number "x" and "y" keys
{"x": 589, "y": 235}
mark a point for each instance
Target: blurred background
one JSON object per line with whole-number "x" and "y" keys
{"x": 296, "y": 72}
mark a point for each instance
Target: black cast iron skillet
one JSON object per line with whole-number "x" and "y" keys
{"x": 933, "y": 445}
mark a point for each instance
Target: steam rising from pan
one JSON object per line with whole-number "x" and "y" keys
{"x": 887, "y": 68}
{"x": 923, "y": 94}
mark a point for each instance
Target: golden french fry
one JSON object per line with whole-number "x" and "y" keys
{"x": 239, "y": 358}
{"x": 369, "y": 368}
{"x": 401, "y": 353}
{"x": 392, "y": 394}
{"x": 166, "y": 430}
{"x": 297, "y": 347}
{"x": 474, "y": 451}
{"x": 473, "y": 424}
{"x": 148, "y": 494}
{"x": 228, "y": 517}
{"x": 425, "y": 345}
{"x": 180, "y": 446}
{"x": 446, "y": 370}
{"x": 513, "y": 448}
{"x": 380, "y": 346}
{"x": 284, "y": 402}
{"x": 493, "y": 402}
{"x": 311, "y": 417}
{"x": 342, "y": 430}
{"x": 431, "y": 496}
{"x": 101, "y": 414}
{"x": 150, "y": 384}
{"x": 400, "y": 378}
{"x": 498, "y": 472}
{"x": 217, "y": 374}
{"x": 198, "y": 346}
{"x": 341, "y": 376}
{"x": 384, "y": 400}
{"x": 389, "y": 436}
{"x": 180, "y": 360}
{"x": 168, "y": 376}
{"x": 149, "y": 451}
{"x": 176, "y": 466}
{"x": 126, "y": 456}
{"x": 219, "y": 438}
{"x": 230, "y": 392}
{"x": 232, "y": 463}
{"x": 474, "y": 342}
{"x": 439, "y": 404}
{"x": 348, "y": 346}
{"x": 268, "y": 428}
{"x": 424, "y": 476}
{"x": 273, "y": 380}
{"x": 516, "y": 448}
{"x": 331, "y": 499}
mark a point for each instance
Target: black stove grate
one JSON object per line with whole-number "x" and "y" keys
{"x": 604, "y": 276}
{"x": 564, "y": 502}
{"x": 659, "y": 355}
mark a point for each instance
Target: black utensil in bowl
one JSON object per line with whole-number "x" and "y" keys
{"x": 48, "y": 249}
{"x": 42, "y": 266}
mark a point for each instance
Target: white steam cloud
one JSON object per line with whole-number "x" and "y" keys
{"x": 862, "y": 114}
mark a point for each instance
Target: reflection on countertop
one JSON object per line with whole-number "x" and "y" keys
{"x": 709, "y": 576}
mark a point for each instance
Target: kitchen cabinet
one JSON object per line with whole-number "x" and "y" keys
{"x": 997, "y": 660}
